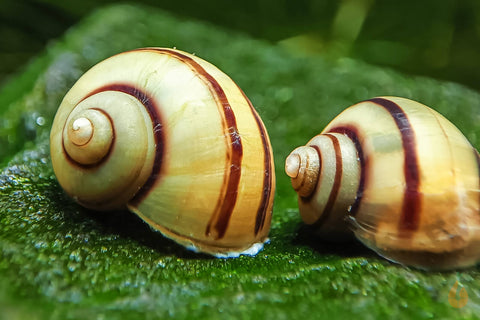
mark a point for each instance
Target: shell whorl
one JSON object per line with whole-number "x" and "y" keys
{"x": 88, "y": 137}
{"x": 303, "y": 167}
{"x": 106, "y": 120}
{"x": 199, "y": 182}
{"x": 326, "y": 179}
{"x": 414, "y": 189}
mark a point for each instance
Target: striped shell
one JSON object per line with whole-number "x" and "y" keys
{"x": 175, "y": 140}
{"x": 402, "y": 175}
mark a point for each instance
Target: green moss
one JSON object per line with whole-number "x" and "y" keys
{"x": 60, "y": 261}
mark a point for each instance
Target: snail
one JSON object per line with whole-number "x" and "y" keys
{"x": 399, "y": 177}
{"x": 173, "y": 139}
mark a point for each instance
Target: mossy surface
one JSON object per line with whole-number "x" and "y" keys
{"x": 61, "y": 261}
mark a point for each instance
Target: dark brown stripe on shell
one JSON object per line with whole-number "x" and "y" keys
{"x": 268, "y": 176}
{"x": 158, "y": 135}
{"x": 410, "y": 218}
{"x": 226, "y": 203}
{"x": 352, "y": 133}
{"x": 332, "y": 197}
{"x": 104, "y": 159}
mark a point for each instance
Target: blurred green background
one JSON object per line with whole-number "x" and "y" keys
{"x": 440, "y": 39}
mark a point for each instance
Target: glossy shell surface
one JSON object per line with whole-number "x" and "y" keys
{"x": 402, "y": 177}
{"x": 187, "y": 151}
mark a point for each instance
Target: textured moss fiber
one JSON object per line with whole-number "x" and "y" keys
{"x": 60, "y": 261}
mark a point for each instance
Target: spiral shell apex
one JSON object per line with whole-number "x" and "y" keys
{"x": 171, "y": 137}
{"x": 400, "y": 176}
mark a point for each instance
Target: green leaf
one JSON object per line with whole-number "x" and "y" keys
{"x": 61, "y": 261}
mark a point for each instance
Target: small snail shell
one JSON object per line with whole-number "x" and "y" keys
{"x": 405, "y": 178}
{"x": 175, "y": 140}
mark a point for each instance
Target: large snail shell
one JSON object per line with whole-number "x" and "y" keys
{"x": 175, "y": 140}
{"x": 405, "y": 178}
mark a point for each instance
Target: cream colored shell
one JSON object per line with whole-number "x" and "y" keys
{"x": 175, "y": 140}
{"x": 402, "y": 175}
